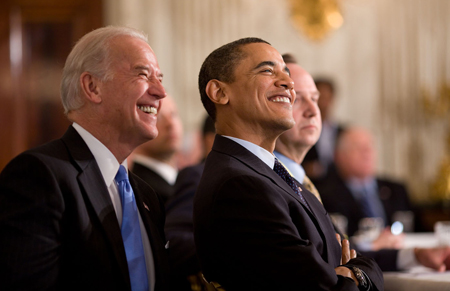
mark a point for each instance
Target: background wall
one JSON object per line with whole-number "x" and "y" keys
{"x": 385, "y": 53}
{"x": 385, "y": 58}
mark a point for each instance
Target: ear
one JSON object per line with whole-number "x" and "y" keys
{"x": 90, "y": 87}
{"x": 215, "y": 91}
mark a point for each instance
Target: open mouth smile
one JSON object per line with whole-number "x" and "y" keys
{"x": 148, "y": 109}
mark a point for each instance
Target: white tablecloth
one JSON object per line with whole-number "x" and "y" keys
{"x": 419, "y": 278}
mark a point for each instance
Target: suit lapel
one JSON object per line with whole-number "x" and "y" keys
{"x": 324, "y": 226}
{"x": 150, "y": 212}
{"x": 316, "y": 211}
{"x": 229, "y": 147}
{"x": 92, "y": 185}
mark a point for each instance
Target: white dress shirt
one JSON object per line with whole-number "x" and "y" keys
{"x": 109, "y": 166}
{"x": 166, "y": 171}
{"x": 263, "y": 154}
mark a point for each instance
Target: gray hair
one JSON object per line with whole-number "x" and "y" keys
{"x": 90, "y": 54}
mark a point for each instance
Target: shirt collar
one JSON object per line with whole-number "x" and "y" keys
{"x": 263, "y": 154}
{"x": 166, "y": 171}
{"x": 295, "y": 169}
{"x": 107, "y": 162}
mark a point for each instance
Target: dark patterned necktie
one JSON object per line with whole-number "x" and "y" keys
{"x": 284, "y": 174}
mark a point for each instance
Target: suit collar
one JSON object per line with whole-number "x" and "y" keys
{"x": 105, "y": 159}
{"x": 267, "y": 157}
{"x": 96, "y": 193}
{"x": 229, "y": 147}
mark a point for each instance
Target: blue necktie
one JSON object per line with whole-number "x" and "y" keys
{"x": 131, "y": 233}
{"x": 284, "y": 174}
{"x": 366, "y": 204}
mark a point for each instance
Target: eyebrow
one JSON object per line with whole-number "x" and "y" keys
{"x": 140, "y": 67}
{"x": 287, "y": 70}
{"x": 266, "y": 63}
{"x": 271, "y": 64}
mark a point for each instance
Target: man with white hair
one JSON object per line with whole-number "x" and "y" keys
{"x": 70, "y": 218}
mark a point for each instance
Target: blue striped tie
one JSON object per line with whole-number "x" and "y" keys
{"x": 131, "y": 233}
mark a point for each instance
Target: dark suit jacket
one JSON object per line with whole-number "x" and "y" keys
{"x": 312, "y": 156}
{"x": 158, "y": 183}
{"x": 337, "y": 198}
{"x": 180, "y": 230}
{"x": 252, "y": 232}
{"x": 59, "y": 230}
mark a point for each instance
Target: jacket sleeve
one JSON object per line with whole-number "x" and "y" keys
{"x": 31, "y": 209}
{"x": 252, "y": 230}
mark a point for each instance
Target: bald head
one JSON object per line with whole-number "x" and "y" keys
{"x": 355, "y": 154}
{"x": 295, "y": 142}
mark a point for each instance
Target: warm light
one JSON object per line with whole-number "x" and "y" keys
{"x": 335, "y": 19}
{"x": 316, "y": 18}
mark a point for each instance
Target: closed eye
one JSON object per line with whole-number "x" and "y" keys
{"x": 267, "y": 71}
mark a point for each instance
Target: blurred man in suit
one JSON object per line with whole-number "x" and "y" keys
{"x": 69, "y": 218}
{"x": 321, "y": 155}
{"x": 352, "y": 188}
{"x": 254, "y": 227}
{"x": 155, "y": 161}
{"x": 179, "y": 227}
{"x": 291, "y": 148}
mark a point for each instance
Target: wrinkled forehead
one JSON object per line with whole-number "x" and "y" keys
{"x": 134, "y": 50}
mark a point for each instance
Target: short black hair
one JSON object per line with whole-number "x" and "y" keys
{"x": 220, "y": 65}
{"x": 289, "y": 59}
{"x": 321, "y": 81}
{"x": 208, "y": 126}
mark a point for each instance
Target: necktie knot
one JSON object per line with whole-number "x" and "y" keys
{"x": 284, "y": 174}
{"x": 121, "y": 174}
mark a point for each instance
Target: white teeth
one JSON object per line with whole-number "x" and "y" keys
{"x": 281, "y": 99}
{"x": 148, "y": 109}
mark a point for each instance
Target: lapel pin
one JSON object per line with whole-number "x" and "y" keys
{"x": 145, "y": 206}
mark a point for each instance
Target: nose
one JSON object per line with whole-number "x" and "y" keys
{"x": 285, "y": 81}
{"x": 156, "y": 89}
{"x": 312, "y": 108}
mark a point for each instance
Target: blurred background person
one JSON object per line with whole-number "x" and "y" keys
{"x": 320, "y": 157}
{"x": 291, "y": 148}
{"x": 155, "y": 161}
{"x": 353, "y": 190}
{"x": 179, "y": 222}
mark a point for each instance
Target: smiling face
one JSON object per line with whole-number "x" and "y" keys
{"x": 261, "y": 96}
{"x": 170, "y": 129}
{"x": 306, "y": 112}
{"x": 131, "y": 98}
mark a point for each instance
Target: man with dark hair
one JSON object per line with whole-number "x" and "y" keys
{"x": 179, "y": 222}
{"x": 254, "y": 227}
{"x": 220, "y": 66}
{"x": 155, "y": 161}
